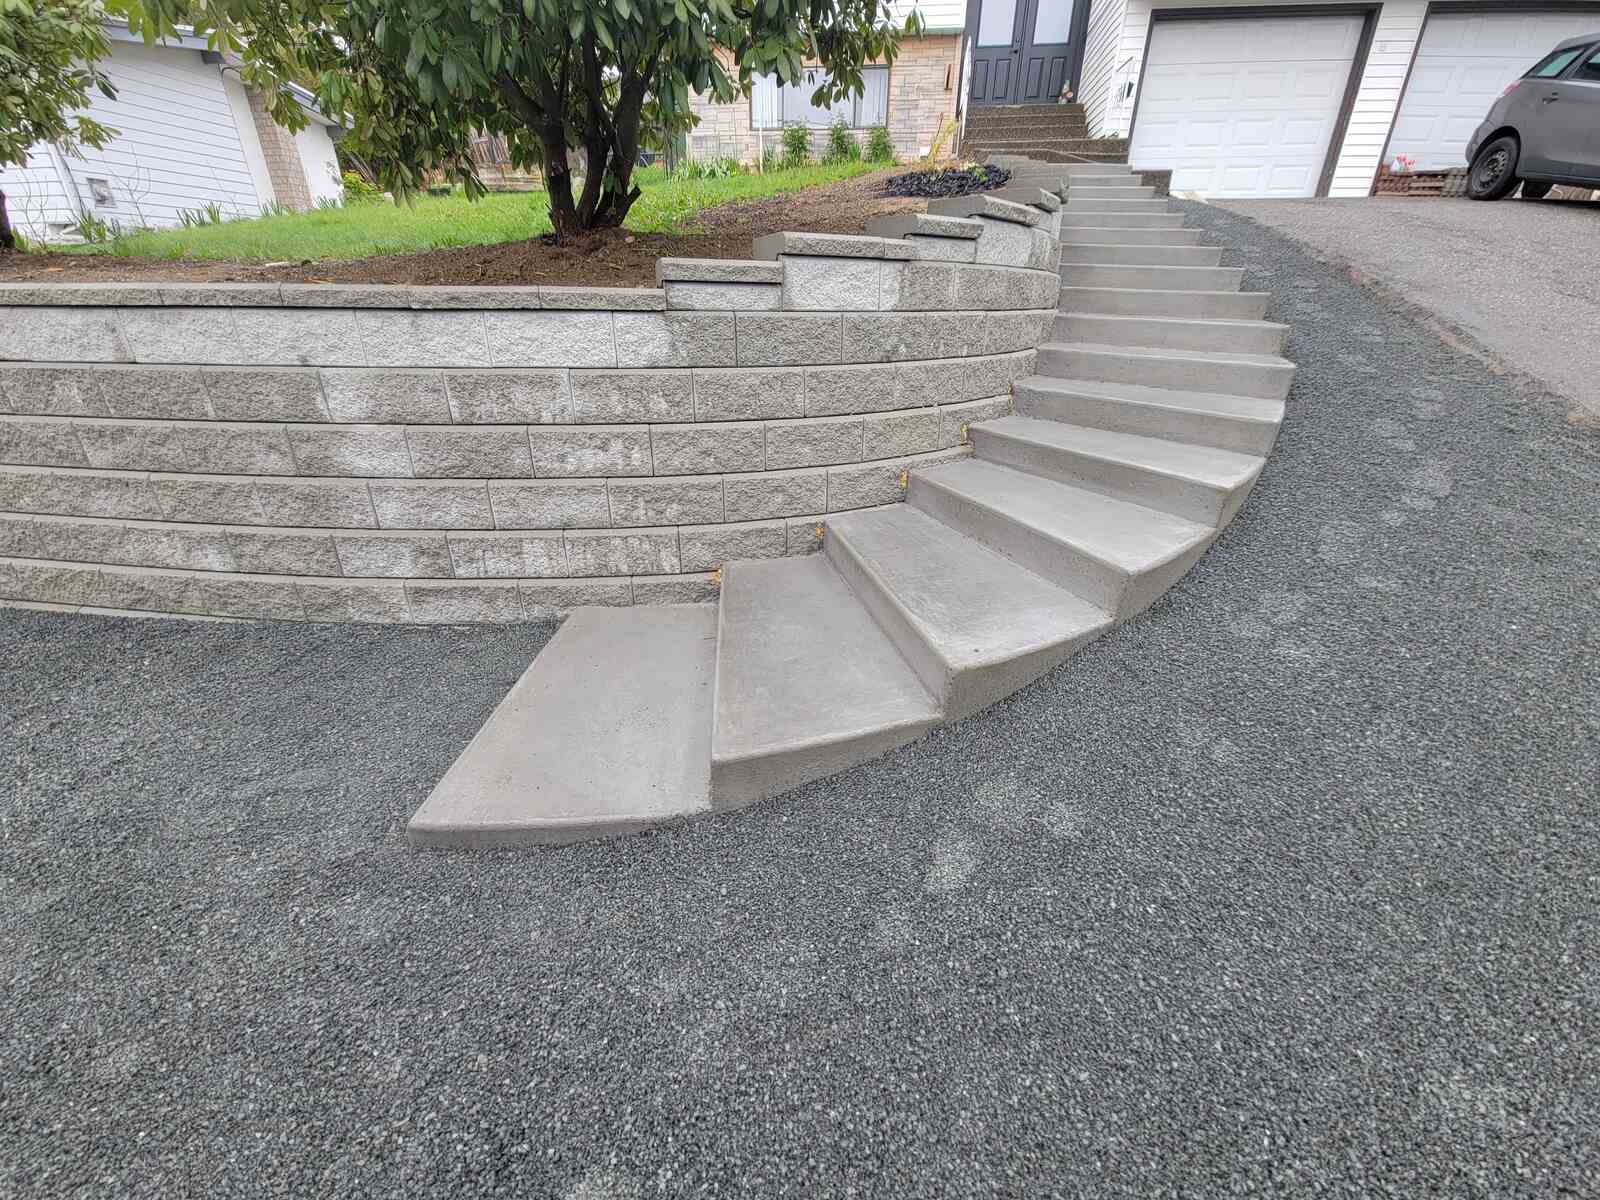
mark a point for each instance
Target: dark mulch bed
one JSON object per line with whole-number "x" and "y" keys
{"x": 952, "y": 181}
{"x": 614, "y": 258}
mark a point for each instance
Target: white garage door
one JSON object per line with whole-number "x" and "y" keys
{"x": 1463, "y": 64}
{"x": 1243, "y": 106}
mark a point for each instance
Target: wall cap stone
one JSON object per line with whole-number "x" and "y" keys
{"x": 900, "y": 225}
{"x": 832, "y": 245}
{"x": 718, "y": 270}
{"x": 982, "y": 204}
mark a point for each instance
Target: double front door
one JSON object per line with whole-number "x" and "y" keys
{"x": 1022, "y": 50}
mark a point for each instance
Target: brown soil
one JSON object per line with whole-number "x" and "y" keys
{"x": 614, "y": 258}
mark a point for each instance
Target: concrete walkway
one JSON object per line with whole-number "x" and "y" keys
{"x": 1285, "y": 887}
{"x": 1517, "y": 277}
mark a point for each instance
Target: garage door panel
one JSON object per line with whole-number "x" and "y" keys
{"x": 1243, "y": 106}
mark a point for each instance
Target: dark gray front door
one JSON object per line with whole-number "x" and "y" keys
{"x": 1022, "y": 50}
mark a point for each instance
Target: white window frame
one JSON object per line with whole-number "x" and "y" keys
{"x": 761, "y": 98}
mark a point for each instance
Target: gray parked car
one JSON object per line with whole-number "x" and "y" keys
{"x": 1544, "y": 129}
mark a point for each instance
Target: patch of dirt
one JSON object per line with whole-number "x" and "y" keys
{"x": 614, "y": 258}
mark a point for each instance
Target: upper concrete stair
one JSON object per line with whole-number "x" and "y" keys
{"x": 1143, "y": 430}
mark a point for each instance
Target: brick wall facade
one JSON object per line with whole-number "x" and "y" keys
{"x": 284, "y": 167}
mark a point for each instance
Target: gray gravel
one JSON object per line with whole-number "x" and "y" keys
{"x": 1517, "y": 277}
{"x": 1290, "y": 887}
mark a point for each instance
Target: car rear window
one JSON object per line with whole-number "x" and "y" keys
{"x": 1556, "y": 63}
{"x": 1590, "y": 71}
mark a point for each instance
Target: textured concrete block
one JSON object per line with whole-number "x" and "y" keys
{"x": 63, "y": 335}
{"x": 201, "y": 449}
{"x": 622, "y": 552}
{"x": 707, "y": 547}
{"x": 614, "y": 299}
{"x": 203, "y": 498}
{"x": 831, "y": 391}
{"x": 40, "y": 442}
{"x": 906, "y": 225}
{"x": 353, "y": 601}
{"x": 423, "y": 339}
{"x": 261, "y": 394}
{"x": 48, "y": 583}
{"x": 738, "y": 394}
{"x": 366, "y": 450}
{"x": 51, "y": 391}
{"x": 384, "y": 396}
{"x": 590, "y": 450}
{"x": 343, "y": 295}
{"x": 1009, "y": 244}
{"x": 834, "y": 284}
{"x": 878, "y": 482}
{"x": 100, "y": 295}
{"x": 954, "y": 417}
{"x": 17, "y": 538}
{"x": 891, "y": 434}
{"x": 293, "y": 337}
{"x": 508, "y": 555}
{"x": 831, "y": 245}
{"x": 284, "y": 552}
{"x": 145, "y": 543}
{"x": 78, "y": 493}
{"x": 241, "y": 596}
{"x": 698, "y": 449}
{"x": 678, "y": 500}
{"x": 724, "y": 297}
{"x": 718, "y": 270}
{"x": 1009, "y": 332}
{"x": 624, "y": 396}
{"x": 951, "y": 380}
{"x": 145, "y": 590}
{"x": 676, "y": 589}
{"x": 902, "y": 337}
{"x": 804, "y": 535}
{"x": 545, "y": 601}
{"x": 813, "y": 442}
{"x": 981, "y": 205}
{"x": 775, "y": 494}
{"x": 918, "y": 285}
{"x": 163, "y": 393}
{"x": 944, "y": 249}
{"x": 509, "y": 397}
{"x": 788, "y": 339}
{"x": 675, "y": 339}
{"x": 444, "y": 603}
{"x": 559, "y": 504}
{"x": 551, "y": 339}
{"x": 420, "y": 505}
{"x": 393, "y": 555}
{"x": 320, "y": 503}
{"x": 488, "y": 453}
{"x": 222, "y": 295}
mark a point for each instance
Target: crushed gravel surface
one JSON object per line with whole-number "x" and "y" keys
{"x": 1289, "y": 887}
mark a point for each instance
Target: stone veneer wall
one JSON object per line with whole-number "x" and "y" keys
{"x": 382, "y": 453}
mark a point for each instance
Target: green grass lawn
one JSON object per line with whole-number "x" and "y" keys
{"x": 434, "y": 222}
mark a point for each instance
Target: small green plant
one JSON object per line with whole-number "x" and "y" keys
{"x": 329, "y": 204}
{"x": 879, "y": 148}
{"x": 275, "y": 208}
{"x": 771, "y": 159}
{"x": 357, "y": 190}
{"x": 796, "y": 145}
{"x": 710, "y": 168}
{"x": 93, "y": 229}
{"x": 198, "y": 218}
{"x": 842, "y": 144}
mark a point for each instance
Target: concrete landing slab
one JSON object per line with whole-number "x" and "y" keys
{"x": 607, "y": 732}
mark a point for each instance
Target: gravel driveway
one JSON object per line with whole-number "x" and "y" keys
{"x": 1287, "y": 887}
{"x": 1517, "y": 276}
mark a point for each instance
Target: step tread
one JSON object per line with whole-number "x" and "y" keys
{"x": 800, "y": 662}
{"x": 609, "y": 730}
{"x": 1220, "y": 356}
{"x": 1219, "y": 404}
{"x": 1225, "y": 469}
{"x": 1196, "y": 322}
{"x": 971, "y": 605}
{"x": 1128, "y": 536}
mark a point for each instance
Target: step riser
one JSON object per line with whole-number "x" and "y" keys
{"x": 1181, "y": 497}
{"x": 1123, "y": 236}
{"x": 1097, "y": 220}
{"x": 1164, "y": 279}
{"x": 1142, "y": 256}
{"x": 1078, "y": 202}
{"x": 1174, "y": 425}
{"x": 1168, "y": 333}
{"x": 1149, "y": 302}
{"x": 735, "y": 783}
{"x": 1180, "y": 374}
{"x": 1082, "y": 189}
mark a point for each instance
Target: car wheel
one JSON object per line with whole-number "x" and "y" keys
{"x": 1494, "y": 171}
{"x": 1535, "y": 191}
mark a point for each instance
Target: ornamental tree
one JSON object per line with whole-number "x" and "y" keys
{"x": 49, "y": 51}
{"x": 416, "y": 79}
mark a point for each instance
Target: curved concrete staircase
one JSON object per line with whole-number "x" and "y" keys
{"x": 1134, "y": 445}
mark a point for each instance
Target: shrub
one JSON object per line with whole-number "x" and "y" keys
{"x": 796, "y": 145}
{"x": 879, "y": 147}
{"x": 357, "y": 190}
{"x": 771, "y": 159}
{"x": 709, "y": 168}
{"x": 842, "y": 144}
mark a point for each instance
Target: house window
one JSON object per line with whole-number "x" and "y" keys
{"x": 100, "y": 189}
{"x": 774, "y": 105}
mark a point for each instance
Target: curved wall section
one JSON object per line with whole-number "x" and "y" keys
{"x": 373, "y": 453}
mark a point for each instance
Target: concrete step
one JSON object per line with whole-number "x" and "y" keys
{"x": 1172, "y": 333}
{"x": 1093, "y": 189}
{"x": 1141, "y": 256}
{"x": 1199, "y": 483}
{"x": 972, "y": 149}
{"x": 1263, "y": 375}
{"x": 1118, "y": 556}
{"x": 1154, "y": 302}
{"x": 608, "y": 731}
{"x": 974, "y": 625}
{"x": 1042, "y": 143}
{"x": 1137, "y": 235}
{"x": 1078, "y": 202}
{"x": 807, "y": 684}
{"x": 1244, "y": 424}
{"x": 1071, "y": 219}
{"x": 1025, "y": 129}
{"x": 1169, "y": 279}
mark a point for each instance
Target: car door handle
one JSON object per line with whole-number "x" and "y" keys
{"x": 1551, "y": 98}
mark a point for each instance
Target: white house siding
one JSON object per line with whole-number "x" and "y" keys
{"x": 1100, "y": 80}
{"x": 943, "y": 16}
{"x": 320, "y": 162}
{"x": 36, "y": 201}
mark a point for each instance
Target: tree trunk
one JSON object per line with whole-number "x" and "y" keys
{"x": 8, "y": 239}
